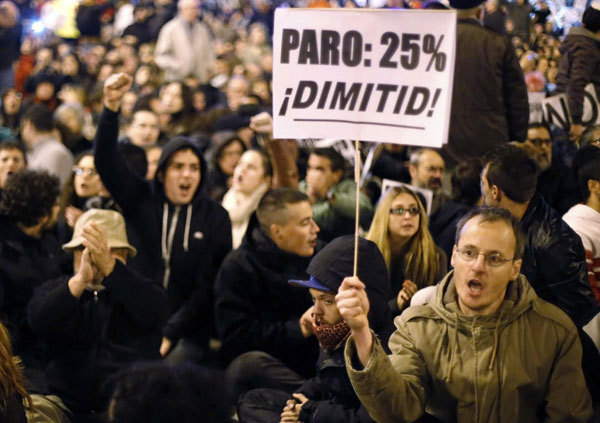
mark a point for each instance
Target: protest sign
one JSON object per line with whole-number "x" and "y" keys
{"x": 591, "y": 115}
{"x": 556, "y": 111}
{"x": 536, "y": 113}
{"x": 373, "y": 75}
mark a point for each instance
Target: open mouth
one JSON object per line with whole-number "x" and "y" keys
{"x": 185, "y": 188}
{"x": 475, "y": 286}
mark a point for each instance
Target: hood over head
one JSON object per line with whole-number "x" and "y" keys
{"x": 174, "y": 145}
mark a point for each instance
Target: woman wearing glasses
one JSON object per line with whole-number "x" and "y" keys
{"x": 83, "y": 185}
{"x": 400, "y": 230}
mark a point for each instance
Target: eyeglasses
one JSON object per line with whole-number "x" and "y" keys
{"x": 81, "y": 171}
{"x": 470, "y": 254}
{"x": 413, "y": 211}
{"x": 541, "y": 141}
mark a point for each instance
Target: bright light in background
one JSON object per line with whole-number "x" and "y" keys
{"x": 37, "y": 27}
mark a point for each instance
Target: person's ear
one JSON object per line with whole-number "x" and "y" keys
{"x": 161, "y": 176}
{"x": 338, "y": 174}
{"x": 516, "y": 269}
{"x": 593, "y": 186}
{"x": 274, "y": 231}
{"x": 453, "y": 255}
{"x": 496, "y": 193}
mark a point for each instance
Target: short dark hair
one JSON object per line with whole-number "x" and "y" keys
{"x": 29, "y": 195}
{"x": 494, "y": 214}
{"x": 273, "y": 203}
{"x": 13, "y": 145}
{"x": 336, "y": 159}
{"x": 465, "y": 179}
{"x": 540, "y": 125}
{"x": 513, "y": 171}
{"x": 40, "y": 117}
{"x": 586, "y": 165}
{"x": 155, "y": 392}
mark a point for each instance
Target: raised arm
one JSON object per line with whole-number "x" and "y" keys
{"x": 122, "y": 182}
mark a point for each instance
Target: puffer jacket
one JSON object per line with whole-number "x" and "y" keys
{"x": 579, "y": 65}
{"x": 181, "y": 247}
{"x": 489, "y": 96}
{"x": 520, "y": 364}
{"x": 554, "y": 262}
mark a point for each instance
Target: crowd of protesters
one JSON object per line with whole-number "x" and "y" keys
{"x": 150, "y": 223}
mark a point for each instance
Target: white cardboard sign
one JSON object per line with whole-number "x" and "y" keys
{"x": 372, "y": 75}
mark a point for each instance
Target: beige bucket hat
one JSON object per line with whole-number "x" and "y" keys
{"x": 111, "y": 222}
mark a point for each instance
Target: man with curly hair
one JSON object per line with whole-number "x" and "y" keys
{"x": 29, "y": 256}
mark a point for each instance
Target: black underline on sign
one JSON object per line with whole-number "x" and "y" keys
{"x": 421, "y": 128}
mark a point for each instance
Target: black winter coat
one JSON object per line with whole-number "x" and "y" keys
{"x": 91, "y": 337}
{"x": 197, "y": 249}
{"x": 579, "y": 65}
{"x": 330, "y": 393}
{"x": 256, "y": 308}
{"x": 554, "y": 262}
{"x": 25, "y": 264}
{"x": 489, "y": 97}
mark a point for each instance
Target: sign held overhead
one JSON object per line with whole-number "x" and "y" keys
{"x": 372, "y": 75}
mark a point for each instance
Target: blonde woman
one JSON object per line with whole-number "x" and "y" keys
{"x": 399, "y": 229}
{"x": 13, "y": 395}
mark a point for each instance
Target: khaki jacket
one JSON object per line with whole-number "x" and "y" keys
{"x": 521, "y": 364}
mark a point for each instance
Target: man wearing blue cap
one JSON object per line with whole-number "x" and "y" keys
{"x": 328, "y": 397}
{"x": 489, "y": 96}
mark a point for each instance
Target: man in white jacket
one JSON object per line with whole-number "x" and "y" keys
{"x": 184, "y": 47}
{"x": 584, "y": 219}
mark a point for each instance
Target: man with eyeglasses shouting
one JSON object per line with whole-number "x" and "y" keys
{"x": 485, "y": 348}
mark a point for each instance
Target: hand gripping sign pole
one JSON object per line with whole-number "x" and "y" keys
{"x": 363, "y": 74}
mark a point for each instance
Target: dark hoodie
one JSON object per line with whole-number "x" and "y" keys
{"x": 184, "y": 260}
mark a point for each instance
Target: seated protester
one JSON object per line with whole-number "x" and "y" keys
{"x": 426, "y": 171}
{"x": 400, "y": 231}
{"x": 228, "y": 149}
{"x": 12, "y": 159}
{"x": 392, "y": 163}
{"x": 584, "y": 219}
{"x": 13, "y": 397}
{"x": 332, "y": 196}
{"x": 159, "y": 393}
{"x": 44, "y": 151}
{"x": 556, "y": 182}
{"x": 554, "y": 258}
{"x": 328, "y": 397}
{"x": 485, "y": 347}
{"x": 466, "y": 194}
{"x": 256, "y": 309}
{"x": 83, "y": 184}
{"x": 99, "y": 320}
{"x": 29, "y": 256}
{"x": 181, "y": 235}
{"x": 251, "y": 179}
